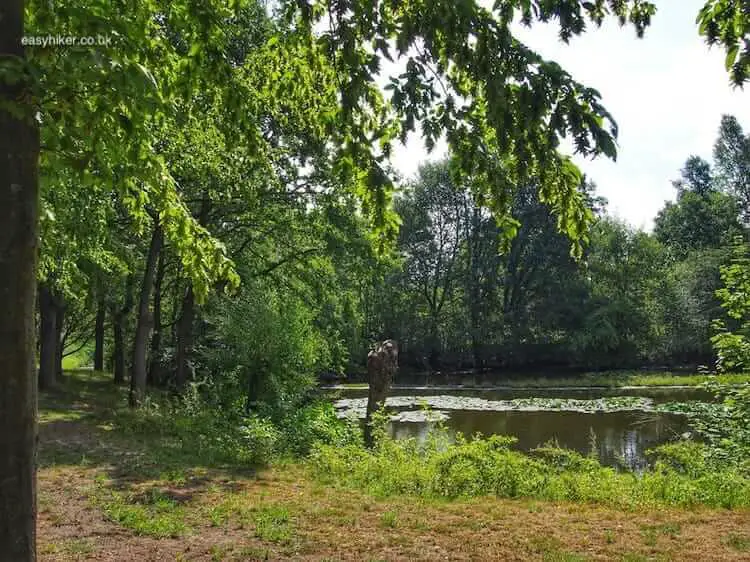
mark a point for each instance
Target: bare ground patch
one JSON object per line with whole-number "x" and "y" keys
{"x": 281, "y": 515}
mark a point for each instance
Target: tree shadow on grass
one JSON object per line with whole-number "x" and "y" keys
{"x": 141, "y": 457}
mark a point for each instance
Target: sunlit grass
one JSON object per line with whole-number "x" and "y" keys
{"x": 153, "y": 514}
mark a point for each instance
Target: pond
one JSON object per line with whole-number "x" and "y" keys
{"x": 620, "y": 425}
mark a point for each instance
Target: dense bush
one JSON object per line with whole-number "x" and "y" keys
{"x": 192, "y": 424}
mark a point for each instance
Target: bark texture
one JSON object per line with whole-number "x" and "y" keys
{"x": 99, "y": 334}
{"x": 185, "y": 337}
{"x": 154, "y": 367}
{"x": 119, "y": 318}
{"x": 47, "y": 338}
{"x": 19, "y": 193}
{"x": 382, "y": 364}
{"x": 144, "y": 322}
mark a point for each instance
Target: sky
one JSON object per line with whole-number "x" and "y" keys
{"x": 666, "y": 91}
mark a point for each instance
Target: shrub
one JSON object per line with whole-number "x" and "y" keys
{"x": 479, "y": 467}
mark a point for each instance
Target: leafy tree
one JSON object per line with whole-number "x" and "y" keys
{"x": 625, "y": 267}
{"x": 732, "y": 157}
{"x": 433, "y": 212}
{"x": 687, "y": 305}
{"x": 702, "y": 217}
{"x": 732, "y": 340}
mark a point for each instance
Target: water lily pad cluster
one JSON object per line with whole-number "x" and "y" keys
{"x": 430, "y": 404}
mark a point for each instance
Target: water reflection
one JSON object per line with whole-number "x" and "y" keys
{"x": 619, "y": 438}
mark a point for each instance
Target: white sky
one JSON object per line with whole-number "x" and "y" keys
{"x": 667, "y": 93}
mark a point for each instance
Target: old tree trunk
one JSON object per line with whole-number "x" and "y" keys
{"x": 119, "y": 321}
{"x": 382, "y": 363}
{"x": 144, "y": 321}
{"x": 49, "y": 337}
{"x": 99, "y": 333}
{"x": 19, "y": 151}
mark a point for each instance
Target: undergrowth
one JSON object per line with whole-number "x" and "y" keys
{"x": 680, "y": 476}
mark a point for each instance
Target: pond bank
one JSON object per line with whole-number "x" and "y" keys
{"x": 624, "y": 380}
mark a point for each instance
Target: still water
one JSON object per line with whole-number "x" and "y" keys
{"x": 617, "y": 424}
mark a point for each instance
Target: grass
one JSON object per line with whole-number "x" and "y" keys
{"x": 154, "y": 515}
{"x": 273, "y": 524}
{"x": 551, "y": 550}
{"x": 389, "y": 519}
{"x": 651, "y": 533}
{"x": 490, "y": 467}
{"x": 738, "y": 542}
{"x": 113, "y": 487}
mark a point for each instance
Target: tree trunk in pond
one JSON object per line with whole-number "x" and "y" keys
{"x": 99, "y": 334}
{"x": 143, "y": 322}
{"x": 382, "y": 363}
{"x": 119, "y": 317}
{"x": 154, "y": 368}
{"x": 47, "y": 341}
{"x": 19, "y": 194}
{"x": 185, "y": 337}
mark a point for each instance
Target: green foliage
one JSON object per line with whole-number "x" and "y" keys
{"x": 732, "y": 157}
{"x": 698, "y": 221}
{"x": 724, "y": 425}
{"x": 270, "y": 348}
{"x": 489, "y": 466}
{"x": 727, "y": 23}
{"x": 315, "y": 423}
{"x": 731, "y": 340}
{"x": 464, "y": 296}
{"x": 624, "y": 267}
{"x": 198, "y": 426}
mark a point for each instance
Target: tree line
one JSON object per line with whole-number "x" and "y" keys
{"x": 463, "y": 296}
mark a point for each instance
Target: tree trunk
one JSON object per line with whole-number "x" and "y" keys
{"x": 99, "y": 334}
{"x": 119, "y": 351}
{"x": 185, "y": 337}
{"x": 187, "y": 314}
{"x": 474, "y": 292}
{"x": 118, "y": 331}
{"x": 59, "y": 339}
{"x": 154, "y": 369}
{"x": 19, "y": 207}
{"x": 143, "y": 322}
{"x": 382, "y": 363}
{"x": 47, "y": 339}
